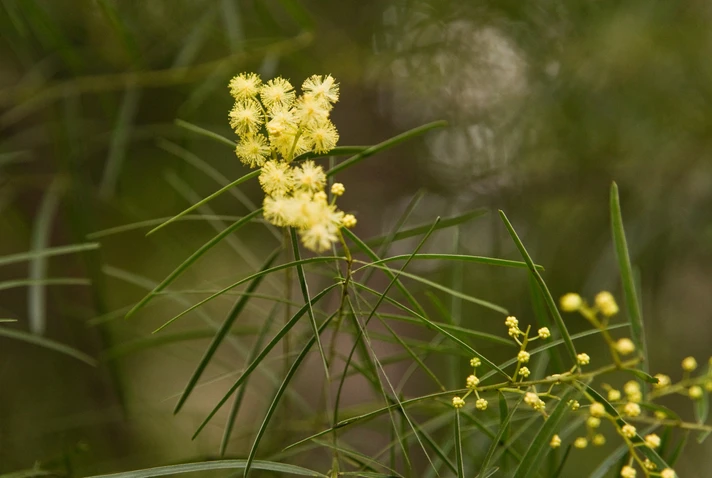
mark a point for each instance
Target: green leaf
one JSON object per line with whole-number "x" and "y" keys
{"x": 214, "y": 465}
{"x": 458, "y": 446}
{"x": 190, "y": 260}
{"x": 260, "y": 357}
{"x": 389, "y": 143}
{"x": 642, "y": 375}
{"x": 48, "y": 252}
{"x": 568, "y": 343}
{"x": 629, "y": 289}
{"x": 285, "y": 383}
{"x": 535, "y": 454}
{"x": 47, "y": 343}
{"x": 505, "y": 419}
{"x": 217, "y": 193}
{"x": 222, "y": 332}
{"x": 11, "y": 284}
{"x": 305, "y": 294}
{"x": 205, "y": 132}
{"x": 490, "y": 261}
{"x": 423, "y": 228}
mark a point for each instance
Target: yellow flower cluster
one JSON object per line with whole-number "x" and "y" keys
{"x": 274, "y": 126}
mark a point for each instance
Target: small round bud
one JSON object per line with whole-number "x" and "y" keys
{"x": 660, "y": 415}
{"x": 631, "y": 409}
{"x": 628, "y": 430}
{"x": 667, "y": 473}
{"x": 649, "y": 465}
{"x": 475, "y": 362}
{"x": 593, "y": 422}
{"x": 320, "y": 196}
{"x": 708, "y": 385}
{"x": 583, "y": 359}
{"x": 574, "y": 404}
{"x": 606, "y": 304}
{"x": 338, "y": 189}
{"x": 481, "y": 404}
{"x": 570, "y": 302}
{"x": 349, "y": 221}
{"x": 544, "y": 333}
{"x": 524, "y": 372}
{"x": 581, "y": 442}
{"x": 523, "y": 356}
{"x": 689, "y": 364}
{"x": 614, "y": 395}
{"x": 652, "y": 441}
{"x": 663, "y": 380}
{"x": 631, "y": 387}
{"x": 533, "y": 400}
{"x": 695, "y": 392}
{"x": 599, "y": 440}
{"x": 597, "y": 410}
{"x": 625, "y": 346}
{"x": 472, "y": 382}
{"x": 555, "y": 441}
{"x": 514, "y": 331}
{"x": 458, "y": 402}
{"x": 628, "y": 472}
{"x": 511, "y": 321}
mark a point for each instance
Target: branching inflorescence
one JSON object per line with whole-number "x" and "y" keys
{"x": 622, "y": 408}
{"x": 275, "y": 126}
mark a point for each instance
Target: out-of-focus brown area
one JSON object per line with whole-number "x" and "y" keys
{"x": 547, "y": 103}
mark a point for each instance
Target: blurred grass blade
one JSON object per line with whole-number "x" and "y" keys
{"x": 11, "y": 284}
{"x": 119, "y": 139}
{"x": 208, "y": 466}
{"x": 490, "y": 261}
{"x": 277, "y": 397}
{"x": 205, "y": 132}
{"x": 629, "y": 290}
{"x": 305, "y": 294}
{"x": 423, "y": 228}
{"x": 222, "y": 332}
{"x": 41, "y": 233}
{"x": 47, "y": 343}
{"x": 260, "y": 357}
{"x": 389, "y": 143}
{"x": 535, "y": 454}
{"x": 217, "y": 193}
{"x": 234, "y": 410}
{"x": 190, "y": 260}
{"x": 48, "y": 252}
{"x": 458, "y": 446}
{"x": 153, "y": 222}
{"x": 568, "y": 343}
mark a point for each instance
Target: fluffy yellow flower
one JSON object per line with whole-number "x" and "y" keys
{"x": 245, "y": 86}
{"x": 319, "y": 237}
{"x": 309, "y": 177}
{"x": 276, "y": 178}
{"x": 277, "y": 210}
{"x": 322, "y": 87}
{"x": 286, "y": 146}
{"x": 570, "y": 302}
{"x": 322, "y": 136}
{"x": 246, "y": 117}
{"x": 253, "y": 150}
{"x": 312, "y": 111}
{"x": 282, "y": 121}
{"x": 277, "y": 93}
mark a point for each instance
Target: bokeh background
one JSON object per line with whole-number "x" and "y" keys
{"x": 547, "y": 103}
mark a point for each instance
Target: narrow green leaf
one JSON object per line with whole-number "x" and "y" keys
{"x": 47, "y": 343}
{"x": 613, "y": 458}
{"x": 214, "y": 465}
{"x": 217, "y": 193}
{"x": 505, "y": 419}
{"x": 11, "y": 284}
{"x": 629, "y": 289}
{"x": 230, "y": 422}
{"x": 260, "y": 357}
{"x": 544, "y": 289}
{"x": 679, "y": 448}
{"x": 423, "y": 228}
{"x": 642, "y": 375}
{"x": 458, "y": 446}
{"x": 491, "y": 261}
{"x": 190, "y": 260}
{"x": 222, "y": 332}
{"x": 305, "y": 294}
{"x": 285, "y": 383}
{"x": 389, "y": 143}
{"x": 205, "y": 132}
{"x": 247, "y": 279}
{"x": 454, "y": 328}
{"x": 560, "y": 468}
{"x": 153, "y": 222}
{"x": 48, "y": 252}
{"x": 535, "y": 454}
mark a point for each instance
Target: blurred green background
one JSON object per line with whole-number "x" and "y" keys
{"x": 547, "y": 103}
